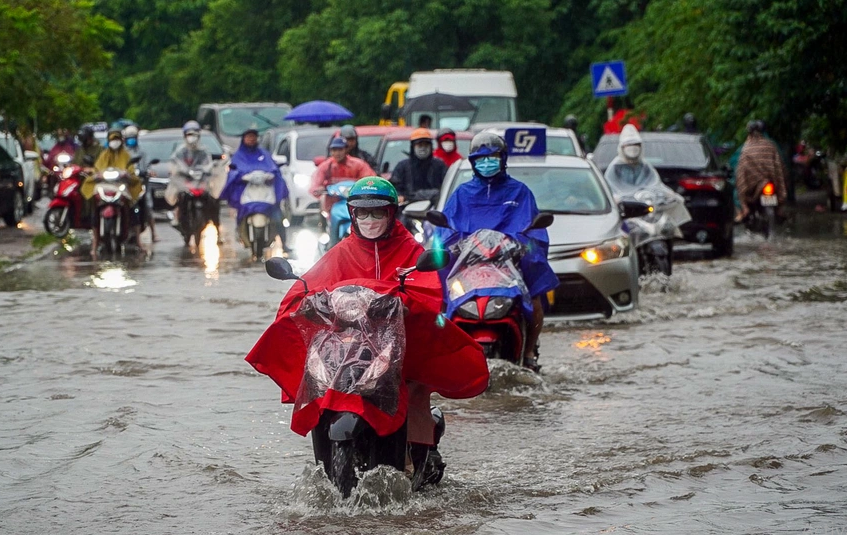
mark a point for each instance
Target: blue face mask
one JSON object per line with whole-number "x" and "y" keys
{"x": 487, "y": 166}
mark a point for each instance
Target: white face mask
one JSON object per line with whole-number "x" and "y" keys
{"x": 115, "y": 144}
{"x": 448, "y": 146}
{"x": 371, "y": 228}
{"x": 192, "y": 139}
{"x": 632, "y": 151}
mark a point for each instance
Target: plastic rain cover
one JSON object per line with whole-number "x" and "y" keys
{"x": 486, "y": 260}
{"x": 355, "y": 340}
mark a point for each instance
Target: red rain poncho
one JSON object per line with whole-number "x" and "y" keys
{"x": 439, "y": 356}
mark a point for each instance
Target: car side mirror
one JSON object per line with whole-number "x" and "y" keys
{"x": 631, "y": 209}
{"x": 438, "y": 219}
{"x": 30, "y": 155}
{"x": 432, "y": 260}
{"x": 384, "y": 167}
{"x": 281, "y": 159}
{"x": 385, "y": 112}
{"x": 417, "y": 209}
{"x": 154, "y": 161}
{"x": 542, "y": 220}
{"x": 134, "y": 160}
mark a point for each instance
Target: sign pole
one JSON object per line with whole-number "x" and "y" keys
{"x": 610, "y": 110}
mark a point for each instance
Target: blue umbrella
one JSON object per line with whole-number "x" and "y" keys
{"x": 319, "y": 111}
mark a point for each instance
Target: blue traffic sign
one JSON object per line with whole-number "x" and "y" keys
{"x": 526, "y": 141}
{"x": 608, "y": 79}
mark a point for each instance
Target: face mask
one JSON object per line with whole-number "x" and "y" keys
{"x": 371, "y": 228}
{"x": 632, "y": 151}
{"x": 487, "y": 166}
{"x": 448, "y": 146}
{"x": 61, "y": 139}
{"x": 131, "y": 142}
{"x": 192, "y": 139}
{"x": 423, "y": 151}
{"x": 115, "y": 144}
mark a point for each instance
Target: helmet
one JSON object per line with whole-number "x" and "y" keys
{"x": 190, "y": 126}
{"x": 337, "y": 143}
{"x": 755, "y": 125}
{"x": 85, "y": 133}
{"x": 250, "y": 131}
{"x": 571, "y": 122}
{"x": 348, "y": 131}
{"x": 372, "y": 191}
{"x": 114, "y": 133}
{"x": 419, "y": 134}
{"x": 629, "y": 136}
{"x": 131, "y": 131}
{"x": 688, "y": 119}
{"x": 445, "y": 132}
{"x": 486, "y": 143}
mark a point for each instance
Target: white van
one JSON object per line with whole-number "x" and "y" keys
{"x": 493, "y": 96}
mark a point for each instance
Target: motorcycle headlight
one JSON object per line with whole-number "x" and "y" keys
{"x": 617, "y": 248}
{"x": 469, "y": 310}
{"x": 111, "y": 174}
{"x": 302, "y": 181}
{"x": 498, "y": 307}
{"x": 67, "y": 172}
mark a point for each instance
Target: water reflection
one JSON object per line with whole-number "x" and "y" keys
{"x": 111, "y": 277}
{"x": 210, "y": 252}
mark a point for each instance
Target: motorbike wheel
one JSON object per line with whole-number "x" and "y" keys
{"x": 343, "y": 467}
{"x": 55, "y": 224}
{"x": 725, "y": 245}
{"x": 769, "y": 222}
{"x": 259, "y": 241}
{"x": 109, "y": 238}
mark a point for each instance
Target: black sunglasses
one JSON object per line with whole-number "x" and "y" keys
{"x": 375, "y": 213}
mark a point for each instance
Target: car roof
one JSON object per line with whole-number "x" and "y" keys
{"x": 243, "y": 104}
{"x": 550, "y": 160}
{"x": 312, "y": 131}
{"x": 373, "y": 129}
{"x": 405, "y": 132}
{"x": 479, "y": 127}
{"x": 659, "y": 136}
{"x": 168, "y": 132}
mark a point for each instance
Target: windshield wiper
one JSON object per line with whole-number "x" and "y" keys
{"x": 262, "y": 117}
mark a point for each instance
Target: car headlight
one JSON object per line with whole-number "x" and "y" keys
{"x": 302, "y": 181}
{"x": 498, "y": 307}
{"x": 617, "y": 248}
{"x": 469, "y": 310}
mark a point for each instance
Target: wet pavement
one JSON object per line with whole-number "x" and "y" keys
{"x": 717, "y": 407}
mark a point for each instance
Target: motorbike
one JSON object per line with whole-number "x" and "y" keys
{"x": 114, "y": 208}
{"x": 65, "y": 210}
{"x": 654, "y": 233}
{"x": 338, "y": 217}
{"x": 258, "y": 203}
{"x": 487, "y": 296}
{"x": 762, "y": 216}
{"x": 355, "y": 342}
{"x": 54, "y": 175}
{"x": 197, "y": 207}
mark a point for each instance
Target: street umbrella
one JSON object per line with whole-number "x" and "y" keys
{"x": 438, "y": 103}
{"x": 318, "y": 111}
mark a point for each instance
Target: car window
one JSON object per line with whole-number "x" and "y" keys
{"x": 310, "y": 147}
{"x": 463, "y": 146}
{"x": 161, "y": 148}
{"x": 676, "y": 154}
{"x": 556, "y": 189}
{"x": 605, "y": 152}
{"x": 562, "y": 146}
{"x": 395, "y": 151}
{"x": 4, "y": 156}
{"x": 369, "y": 144}
{"x": 234, "y": 121}
{"x": 284, "y": 148}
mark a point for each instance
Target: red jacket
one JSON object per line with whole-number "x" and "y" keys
{"x": 449, "y": 158}
{"x": 439, "y": 355}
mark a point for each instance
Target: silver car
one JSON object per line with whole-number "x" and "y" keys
{"x": 589, "y": 251}
{"x": 295, "y": 156}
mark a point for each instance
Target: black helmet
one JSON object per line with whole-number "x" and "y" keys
{"x": 85, "y": 133}
{"x": 571, "y": 122}
{"x": 688, "y": 119}
{"x": 754, "y": 125}
{"x": 486, "y": 143}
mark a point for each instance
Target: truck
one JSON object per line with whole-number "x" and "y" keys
{"x": 492, "y": 96}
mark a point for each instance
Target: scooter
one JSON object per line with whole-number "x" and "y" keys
{"x": 258, "y": 202}
{"x": 113, "y": 205}
{"x": 762, "y": 216}
{"x": 65, "y": 210}
{"x": 355, "y": 340}
{"x": 197, "y": 207}
{"x": 487, "y": 296}
{"x": 54, "y": 175}
{"x": 338, "y": 216}
{"x": 653, "y": 234}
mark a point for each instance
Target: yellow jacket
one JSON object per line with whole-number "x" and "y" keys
{"x": 113, "y": 158}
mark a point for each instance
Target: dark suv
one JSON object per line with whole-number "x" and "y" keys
{"x": 12, "y": 205}
{"x": 687, "y": 164}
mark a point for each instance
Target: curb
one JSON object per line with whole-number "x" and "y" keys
{"x": 19, "y": 262}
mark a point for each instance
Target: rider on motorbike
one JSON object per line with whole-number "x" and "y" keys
{"x": 377, "y": 249}
{"x": 337, "y": 168}
{"x": 115, "y": 156}
{"x": 758, "y": 164}
{"x": 447, "y": 151}
{"x": 494, "y": 200}
{"x": 348, "y": 132}
{"x": 89, "y": 146}
{"x": 419, "y": 177}
{"x": 131, "y": 141}
{"x": 251, "y": 160}
{"x": 193, "y": 156}
{"x": 64, "y": 145}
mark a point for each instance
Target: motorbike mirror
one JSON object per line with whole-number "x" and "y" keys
{"x": 134, "y": 160}
{"x": 88, "y": 159}
{"x": 417, "y": 209}
{"x": 384, "y": 167}
{"x": 217, "y": 156}
{"x": 154, "y": 161}
{"x": 542, "y": 220}
{"x": 438, "y": 219}
{"x": 232, "y": 166}
{"x": 280, "y": 269}
{"x": 385, "y": 112}
{"x": 432, "y": 260}
{"x": 630, "y": 209}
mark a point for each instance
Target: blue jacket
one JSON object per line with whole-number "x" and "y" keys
{"x": 247, "y": 160}
{"x": 508, "y": 206}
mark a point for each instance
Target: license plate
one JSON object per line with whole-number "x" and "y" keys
{"x": 768, "y": 200}
{"x": 159, "y": 193}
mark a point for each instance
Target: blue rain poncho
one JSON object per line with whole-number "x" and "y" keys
{"x": 250, "y": 198}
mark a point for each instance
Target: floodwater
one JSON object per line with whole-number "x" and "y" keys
{"x": 718, "y": 407}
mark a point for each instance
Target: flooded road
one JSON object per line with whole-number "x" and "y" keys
{"x": 718, "y": 407}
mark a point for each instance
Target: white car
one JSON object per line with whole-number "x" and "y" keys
{"x": 590, "y": 251}
{"x": 560, "y": 141}
{"x": 29, "y": 163}
{"x": 295, "y": 156}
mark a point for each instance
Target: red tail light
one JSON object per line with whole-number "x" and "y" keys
{"x": 768, "y": 189}
{"x": 702, "y": 183}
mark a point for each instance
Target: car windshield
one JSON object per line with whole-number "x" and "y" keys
{"x": 556, "y": 189}
{"x": 370, "y": 144}
{"x": 234, "y": 121}
{"x": 161, "y": 148}
{"x": 561, "y": 146}
{"x": 396, "y": 150}
{"x": 661, "y": 153}
{"x": 310, "y": 147}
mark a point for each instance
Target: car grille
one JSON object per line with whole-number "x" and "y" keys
{"x": 575, "y": 295}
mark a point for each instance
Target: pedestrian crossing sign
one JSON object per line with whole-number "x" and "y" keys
{"x": 608, "y": 79}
